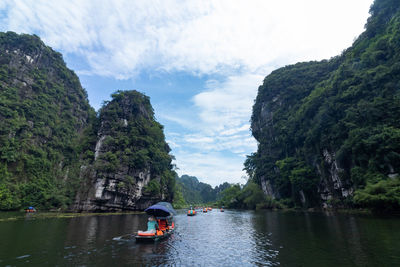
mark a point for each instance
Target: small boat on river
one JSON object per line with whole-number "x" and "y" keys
{"x": 30, "y": 209}
{"x": 191, "y": 212}
{"x": 163, "y": 213}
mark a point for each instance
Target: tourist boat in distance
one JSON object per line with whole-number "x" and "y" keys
{"x": 30, "y": 209}
{"x": 209, "y": 209}
{"x": 163, "y": 212}
{"x": 191, "y": 212}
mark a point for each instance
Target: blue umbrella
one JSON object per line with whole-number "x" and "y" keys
{"x": 161, "y": 209}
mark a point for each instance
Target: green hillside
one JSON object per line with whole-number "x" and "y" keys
{"x": 195, "y": 192}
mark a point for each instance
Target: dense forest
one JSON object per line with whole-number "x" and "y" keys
{"x": 329, "y": 131}
{"x": 53, "y": 145}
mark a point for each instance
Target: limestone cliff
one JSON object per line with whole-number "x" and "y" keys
{"x": 43, "y": 114}
{"x": 56, "y": 153}
{"x": 329, "y": 129}
{"x": 131, "y": 167}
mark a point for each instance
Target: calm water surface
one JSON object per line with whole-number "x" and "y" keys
{"x": 231, "y": 238}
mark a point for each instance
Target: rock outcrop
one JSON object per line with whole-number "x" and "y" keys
{"x": 129, "y": 144}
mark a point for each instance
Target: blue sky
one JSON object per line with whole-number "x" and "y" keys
{"x": 201, "y": 62}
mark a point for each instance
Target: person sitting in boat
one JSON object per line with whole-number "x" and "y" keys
{"x": 151, "y": 226}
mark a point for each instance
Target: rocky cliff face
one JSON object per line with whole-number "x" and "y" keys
{"x": 129, "y": 141}
{"x": 327, "y": 129}
{"x": 52, "y": 145}
{"x": 43, "y": 114}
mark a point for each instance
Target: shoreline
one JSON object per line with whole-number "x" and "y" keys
{"x": 18, "y": 215}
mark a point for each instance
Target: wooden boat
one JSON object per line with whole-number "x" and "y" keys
{"x": 163, "y": 212}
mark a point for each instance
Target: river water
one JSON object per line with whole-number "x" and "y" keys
{"x": 230, "y": 238}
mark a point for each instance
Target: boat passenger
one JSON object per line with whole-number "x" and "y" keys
{"x": 151, "y": 226}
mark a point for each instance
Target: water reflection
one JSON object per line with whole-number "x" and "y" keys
{"x": 230, "y": 238}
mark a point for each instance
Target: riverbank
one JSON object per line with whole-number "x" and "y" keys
{"x": 17, "y": 215}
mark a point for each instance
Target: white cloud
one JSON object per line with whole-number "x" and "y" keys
{"x": 228, "y": 104}
{"x": 121, "y": 38}
{"x": 214, "y": 146}
{"x": 212, "y": 168}
{"x": 219, "y": 116}
{"x": 245, "y": 127}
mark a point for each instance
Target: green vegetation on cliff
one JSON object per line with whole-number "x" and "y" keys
{"x": 326, "y": 129}
{"x": 43, "y": 114}
{"x": 134, "y": 140}
{"x": 249, "y": 196}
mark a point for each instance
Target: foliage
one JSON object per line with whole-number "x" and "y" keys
{"x": 230, "y": 196}
{"x": 383, "y": 196}
{"x": 8, "y": 200}
{"x": 179, "y": 202}
{"x": 43, "y": 114}
{"x": 348, "y": 106}
{"x": 153, "y": 188}
{"x": 249, "y": 197}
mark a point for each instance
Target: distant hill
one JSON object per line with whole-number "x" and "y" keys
{"x": 329, "y": 131}
{"x": 195, "y": 192}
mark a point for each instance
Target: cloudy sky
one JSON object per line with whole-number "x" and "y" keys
{"x": 200, "y": 62}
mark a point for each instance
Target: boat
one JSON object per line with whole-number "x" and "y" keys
{"x": 191, "y": 212}
{"x": 209, "y": 209}
{"x": 163, "y": 212}
{"x": 30, "y": 209}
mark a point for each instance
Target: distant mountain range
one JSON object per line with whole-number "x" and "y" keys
{"x": 195, "y": 192}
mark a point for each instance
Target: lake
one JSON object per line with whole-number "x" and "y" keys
{"x": 230, "y": 238}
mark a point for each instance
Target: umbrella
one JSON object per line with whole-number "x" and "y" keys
{"x": 161, "y": 209}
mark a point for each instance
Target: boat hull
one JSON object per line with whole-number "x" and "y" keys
{"x": 154, "y": 238}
